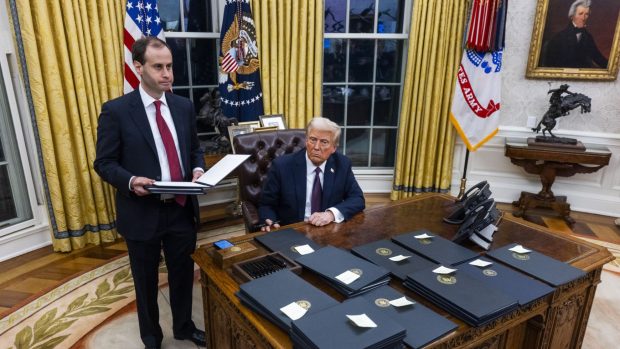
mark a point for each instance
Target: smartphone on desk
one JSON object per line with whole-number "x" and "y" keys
{"x": 222, "y": 244}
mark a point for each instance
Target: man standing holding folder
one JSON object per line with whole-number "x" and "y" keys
{"x": 143, "y": 136}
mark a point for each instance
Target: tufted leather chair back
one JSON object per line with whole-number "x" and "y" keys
{"x": 263, "y": 148}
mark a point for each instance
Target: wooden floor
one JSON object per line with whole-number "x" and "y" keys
{"x": 24, "y": 278}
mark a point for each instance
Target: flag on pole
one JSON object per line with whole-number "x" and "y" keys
{"x": 141, "y": 19}
{"x": 476, "y": 104}
{"x": 238, "y": 73}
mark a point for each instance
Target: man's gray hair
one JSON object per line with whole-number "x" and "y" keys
{"x": 573, "y": 7}
{"x": 325, "y": 124}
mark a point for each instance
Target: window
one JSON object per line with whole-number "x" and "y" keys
{"x": 363, "y": 68}
{"x": 16, "y": 197}
{"x": 192, "y": 32}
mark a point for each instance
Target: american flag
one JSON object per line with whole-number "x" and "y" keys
{"x": 141, "y": 19}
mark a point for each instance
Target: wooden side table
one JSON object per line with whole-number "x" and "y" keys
{"x": 549, "y": 162}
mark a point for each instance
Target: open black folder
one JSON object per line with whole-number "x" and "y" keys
{"x": 209, "y": 179}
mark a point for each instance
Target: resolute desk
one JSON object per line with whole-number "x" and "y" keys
{"x": 556, "y": 321}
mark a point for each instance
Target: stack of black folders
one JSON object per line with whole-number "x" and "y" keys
{"x": 434, "y": 247}
{"x": 461, "y": 295}
{"x": 348, "y": 274}
{"x": 289, "y": 242}
{"x": 270, "y": 294}
{"x": 355, "y": 323}
{"x": 536, "y": 264}
{"x": 395, "y": 258}
{"x": 422, "y": 324}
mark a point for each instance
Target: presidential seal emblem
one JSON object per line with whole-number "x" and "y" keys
{"x": 426, "y": 241}
{"x": 383, "y": 251}
{"x": 235, "y": 249}
{"x": 520, "y": 256}
{"x": 356, "y": 271}
{"x": 304, "y": 304}
{"x": 382, "y": 302}
{"x": 489, "y": 272}
{"x": 446, "y": 279}
{"x": 239, "y": 52}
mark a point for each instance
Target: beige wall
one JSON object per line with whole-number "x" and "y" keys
{"x": 523, "y": 97}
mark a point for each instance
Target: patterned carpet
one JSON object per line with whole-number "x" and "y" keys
{"x": 62, "y": 317}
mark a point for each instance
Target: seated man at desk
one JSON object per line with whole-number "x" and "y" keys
{"x": 316, "y": 185}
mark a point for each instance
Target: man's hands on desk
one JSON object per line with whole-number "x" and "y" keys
{"x": 318, "y": 219}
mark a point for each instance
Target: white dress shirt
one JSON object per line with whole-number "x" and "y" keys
{"x": 310, "y": 174}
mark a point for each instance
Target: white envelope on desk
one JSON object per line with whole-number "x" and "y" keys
{"x": 209, "y": 179}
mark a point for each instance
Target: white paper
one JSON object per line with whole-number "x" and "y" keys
{"x": 444, "y": 270}
{"x": 304, "y": 249}
{"x": 520, "y": 249}
{"x": 362, "y": 320}
{"x": 480, "y": 241}
{"x": 401, "y": 302}
{"x": 213, "y": 176}
{"x": 222, "y": 168}
{"x": 347, "y": 277}
{"x": 399, "y": 258}
{"x": 480, "y": 263}
{"x": 423, "y": 236}
{"x": 488, "y": 232}
{"x": 294, "y": 311}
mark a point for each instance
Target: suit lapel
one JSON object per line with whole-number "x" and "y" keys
{"x": 138, "y": 114}
{"x": 300, "y": 175}
{"x": 328, "y": 181}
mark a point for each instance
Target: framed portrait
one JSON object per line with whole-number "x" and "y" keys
{"x": 235, "y": 130}
{"x": 253, "y": 124}
{"x": 273, "y": 120}
{"x": 267, "y": 128}
{"x": 575, "y": 39}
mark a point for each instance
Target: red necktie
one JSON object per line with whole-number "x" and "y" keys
{"x": 317, "y": 193}
{"x": 171, "y": 151}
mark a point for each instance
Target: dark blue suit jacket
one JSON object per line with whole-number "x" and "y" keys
{"x": 126, "y": 148}
{"x": 284, "y": 193}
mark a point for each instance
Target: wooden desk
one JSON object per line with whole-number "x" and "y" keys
{"x": 556, "y": 321}
{"x": 549, "y": 162}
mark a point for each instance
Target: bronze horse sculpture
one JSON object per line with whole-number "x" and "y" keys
{"x": 560, "y": 106}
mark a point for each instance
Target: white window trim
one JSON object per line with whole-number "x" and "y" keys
{"x": 34, "y": 233}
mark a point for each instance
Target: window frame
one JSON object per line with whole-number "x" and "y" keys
{"x": 20, "y": 140}
{"x": 404, "y": 36}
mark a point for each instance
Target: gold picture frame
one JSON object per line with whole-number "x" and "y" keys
{"x": 235, "y": 130}
{"x": 267, "y": 128}
{"x": 552, "y": 28}
{"x": 253, "y": 124}
{"x": 273, "y": 120}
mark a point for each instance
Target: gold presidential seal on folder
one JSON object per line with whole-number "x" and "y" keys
{"x": 383, "y": 251}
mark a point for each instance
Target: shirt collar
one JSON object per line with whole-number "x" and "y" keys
{"x": 310, "y": 166}
{"x": 148, "y": 100}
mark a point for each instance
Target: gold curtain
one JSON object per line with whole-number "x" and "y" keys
{"x": 426, "y": 138}
{"x": 74, "y": 63}
{"x": 290, "y": 41}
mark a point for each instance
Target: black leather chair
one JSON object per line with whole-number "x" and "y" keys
{"x": 263, "y": 148}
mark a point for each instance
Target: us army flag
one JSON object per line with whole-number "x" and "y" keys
{"x": 475, "y": 107}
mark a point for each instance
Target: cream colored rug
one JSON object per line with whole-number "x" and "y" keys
{"x": 63, "y": 316}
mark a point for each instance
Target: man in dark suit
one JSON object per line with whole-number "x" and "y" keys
{"x": 574, "y": 46}
{"x": 314, "y": 185}
{"x": 143, "y": 136}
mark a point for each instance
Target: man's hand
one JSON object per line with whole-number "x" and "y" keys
{"x": 138, "y": 183}
{"x": 321, "y": 218}
{"x": 197, "y": 175}
{"x": 269, "y": 224}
